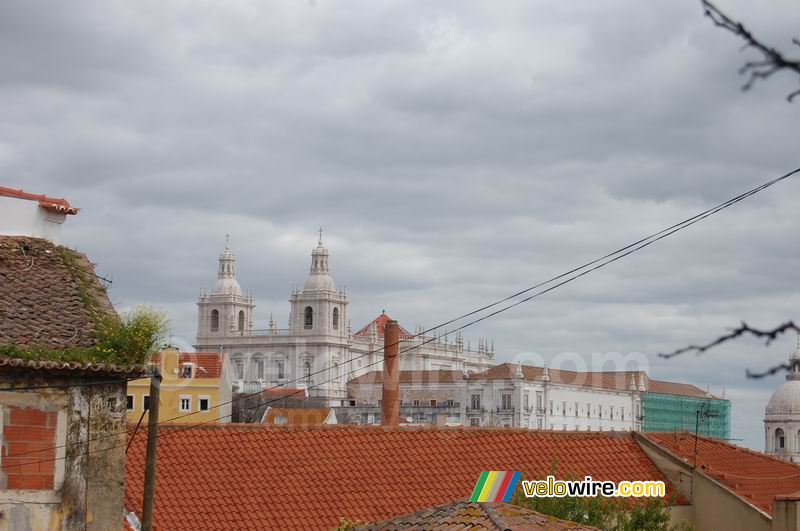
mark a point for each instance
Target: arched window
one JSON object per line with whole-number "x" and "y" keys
{"x": 241, "y": 320}
{"x": 336, "y": 318}
{"x": 780, "y": 440}
{"x": 259, "y": 363}
{"x": 214, "y": 321}
{"x": 308, "y": 318}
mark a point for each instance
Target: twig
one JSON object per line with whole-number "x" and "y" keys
{"x": 773, "y": 60}
{"x": 743, "y": 329}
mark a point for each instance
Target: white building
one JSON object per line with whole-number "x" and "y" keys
{"x": 318, "y": 348}
{"x": 782, "y": 415}
{"x": 514, "y": 396}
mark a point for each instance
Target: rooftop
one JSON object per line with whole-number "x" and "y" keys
{"x": 209, "y": 364}
{"x": 50, "y": 306}
{"x": 465, "y": 515}
{"x": 55, "y": 204}
{"x": 241, "y": 476}
{"x": 297, "y": 416}
{"x": 380, "y": 327}
{"x": 755, "y": 476}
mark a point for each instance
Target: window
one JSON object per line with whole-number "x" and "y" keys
{"x": 576, "y": 409}
{"x": 280, "y": 420}
{"x": 599, "y": 412}
{"x": 527, "y": 401}
{"x": 622, "y": 412}
{"x": 308, "y": 318}
{"x": 214, "y": 320}
{"x": 588, "y": 410}
{"x": 611, "y": 412}
{"x": 241, "y": 320}
{"x": 475, "y": 402}
{"x": 129, "y": 403}
{"x": 186, "y": 370}
{"x": 538, "y": 424}
{"x": 336, "y": 318}
{"x": 204, "y": 403}
{"x": 185, "y": 404}
{"x": 780, "y": 440}
{"x": 281, "y": 366}
{"x": 450, "y": 403}
{"x": 475, "y": 421}
{"x": 260, "y": 368}
{"x": 415, "y": 402}
{"x": 564, "y": 408}
{"x": 638, "y": 410}
{"x": 146, "y": 403}
{"x": 539, "y": 400}
{"x": 506, "y": 401}
{"x": 433, "y": 403}
{"x": 238, "y": 365}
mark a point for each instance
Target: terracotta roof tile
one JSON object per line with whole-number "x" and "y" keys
{"x": 56, "y": 204}
{"x": 756, "y": 476}
{"x": 465, "y": 515}
{"x": 250, "y": 476}
{"x": 380, "y": 325}
{"x": 209, "y": 364}
{"x": 42, "y": 301}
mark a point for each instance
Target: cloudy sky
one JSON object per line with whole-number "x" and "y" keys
{"x": 454, "y": 151}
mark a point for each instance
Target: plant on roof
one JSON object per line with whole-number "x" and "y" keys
{"x": 126, "y": 339}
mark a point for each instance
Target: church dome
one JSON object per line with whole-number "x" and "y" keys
{"x": 226, "y": 286}
{"x": 319, "y": 283}
{"x": 785, "y": 400}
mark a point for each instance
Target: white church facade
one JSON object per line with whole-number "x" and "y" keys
{"x": 782, "y": 415}
{"x": 318, "y": 349}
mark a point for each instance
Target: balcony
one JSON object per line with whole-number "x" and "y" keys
{"x": 505, "y": 411}
{"x": 540, "y": 411}
{"x": 265, "y": 332}
{"x": 475, "y": 411}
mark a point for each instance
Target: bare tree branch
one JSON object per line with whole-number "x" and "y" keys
{"x": 772, "y": 62}
{"x": 743, "y": 329}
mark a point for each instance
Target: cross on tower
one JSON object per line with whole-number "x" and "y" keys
{"x": 227, "y": 239}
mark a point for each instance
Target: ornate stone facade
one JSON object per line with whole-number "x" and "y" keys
{"x": 318, "y": 348}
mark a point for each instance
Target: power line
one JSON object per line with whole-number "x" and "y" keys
{"x": 597, "y": 264}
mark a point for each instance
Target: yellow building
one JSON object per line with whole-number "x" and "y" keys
{"x": 195, "y": 387}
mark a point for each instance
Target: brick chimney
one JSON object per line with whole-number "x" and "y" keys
{"x": 390, "y": 402}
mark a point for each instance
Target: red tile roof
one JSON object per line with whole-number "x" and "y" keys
{"x": 296, "y": 416}
{"x": 56, "y": 204}
{"x": 209, "y": 364}
{"x": 252, "y": 477}
{"x": 43, "y": 288}
{"x": 617, "y": 380}
{"x": 465, "y": 515}
{"x": 755, "y": 476}
{"x": 380, "y": 325}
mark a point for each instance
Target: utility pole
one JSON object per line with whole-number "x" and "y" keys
{"x": 150, "y": 459}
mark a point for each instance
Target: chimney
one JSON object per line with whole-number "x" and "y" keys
{"x": 390, "y": 404}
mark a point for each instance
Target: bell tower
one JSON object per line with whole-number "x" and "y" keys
{"x": 225, "y": 311}
{"x": 319, "y": 309}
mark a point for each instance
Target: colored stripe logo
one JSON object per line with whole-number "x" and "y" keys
{"x": 494, "y": 486}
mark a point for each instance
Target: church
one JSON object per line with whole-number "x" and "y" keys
{"x": 318, "y": 349}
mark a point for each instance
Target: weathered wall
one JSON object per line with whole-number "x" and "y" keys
{"x": 88, "y": 487}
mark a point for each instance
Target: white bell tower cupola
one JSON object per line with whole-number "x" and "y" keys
{"x": 319, "y": 309}
{"x": 225, "y": 311}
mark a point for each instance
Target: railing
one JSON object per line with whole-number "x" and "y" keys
{"x": 540, "y": 411}
{"x": 475, "y": 411}
{"x": 505, "y": 410}
{"x": 265, "y": 332}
